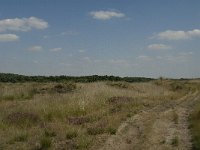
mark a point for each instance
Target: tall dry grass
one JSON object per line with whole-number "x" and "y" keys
{"x": 35, "y": 116}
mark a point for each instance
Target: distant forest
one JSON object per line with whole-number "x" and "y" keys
{"x": 15, "y": 78}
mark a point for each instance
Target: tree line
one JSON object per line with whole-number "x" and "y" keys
{"x": 15, "y": 78}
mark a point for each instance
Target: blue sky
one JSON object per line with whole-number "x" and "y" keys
{"x": 108, "y": 37}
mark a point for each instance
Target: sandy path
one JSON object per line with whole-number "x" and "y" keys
{"x": 164, "y": 127}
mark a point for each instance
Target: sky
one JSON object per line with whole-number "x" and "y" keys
{"x": 100, "y": 37}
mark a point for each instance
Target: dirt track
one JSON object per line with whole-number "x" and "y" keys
{"x": 164, "y": 127}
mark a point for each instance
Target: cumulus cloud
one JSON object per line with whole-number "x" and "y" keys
{"x": 177, "y": 35}
{"x": 106, "y": 15}
{"x": 56, "y": 49}
{"x": 35, "y": 48}
{"x": 8, "y": 37}
{"x": 158, "y": 47}
{"x": 22, "y": 24}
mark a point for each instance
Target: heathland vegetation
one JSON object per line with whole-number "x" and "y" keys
{"x": 41, "y": 113}
{"x": 13, "y": 78}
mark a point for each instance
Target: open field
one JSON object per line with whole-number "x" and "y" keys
{"x": 99, "y": 115}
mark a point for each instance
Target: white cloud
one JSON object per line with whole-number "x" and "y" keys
{"x": 120, "y": 62}
{"x": 177, "y": 35}
{"x": 22, "y": 24}
{"x": 8, "y": 37}
{"x": 56, "y": 49}
{"x": 65, "y": 64}
{"x": 35, "y": 48}
{"x": 70, "y": 32}
{"x": 158, "y": 47}
{"x": 81, "y": 51}
{"x": 106, "y": 15}
{"x": 144, "y": 58}
{"x": 87, "y": 59}
{"x": 35, "y": 61}
{"x": 46, "y": 36}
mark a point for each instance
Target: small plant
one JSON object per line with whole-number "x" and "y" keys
{"x": 71, "y": 134}
{"x": 95, "y": 131}
{"x": 45, "y": 143}
{"x": 175, "y": 117}
{"x": 122, "y": 85}
{"x": 78, "y": 120}
{"x": 63, "y": 88}
{"x": 175, "y": 86}
{"x": 9, "y": 97}
{"x": 111, "y": 130}
{"x": 128, "y": 115}
{"x": 174, "y": 141}
{"x": 49, "y": 133}
{"x": 120, "y": 100}
{"x": 83, "y": 143}
{"x": 48, "y": 116}
{"x": 21, "y": 138}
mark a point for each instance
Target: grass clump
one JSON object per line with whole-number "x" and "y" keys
{"x": 49, "y": 133}
{"x": 111, "y": 130}
{"x": 63, "y": 88}
{"x": 22, "y": 119}
{"x": 21, "y": 137}
{"x": 78, "y": 120}
{"x": 195, "y": 128}
{"x": 71, "y": 134}
{"x": 174, "y": 141}
{"x": 95, "y": 130}
{"x": 84, "y": 143}
{"x": 176, "y": 86}
{"x": 122, "y": 85}
{"x": 45, "y": 143}
{"x": 175, "y": 117}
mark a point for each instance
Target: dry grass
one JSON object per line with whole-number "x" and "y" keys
{"x": 79, "y": 118}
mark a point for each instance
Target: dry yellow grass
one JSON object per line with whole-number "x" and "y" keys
{"x": 79, "y": 119}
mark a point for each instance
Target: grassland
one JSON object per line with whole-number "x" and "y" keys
{"x": 195, "y": 127}
{"x": 70, "y": 115}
